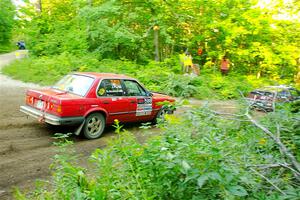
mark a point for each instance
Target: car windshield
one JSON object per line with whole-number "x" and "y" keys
{"x": 76, "y": 84}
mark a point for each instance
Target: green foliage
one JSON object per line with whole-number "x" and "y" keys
{"x": 6, "y": 24}
{"x": 54, "y": 30}
{"x": 287, "y": 122}
{"x": 178, "y": 85}
{"x": 295, "y": 106}
{"x": 255, "y": 39}
{"x": 198, "y": 156}
{"x": 47, "y": 70}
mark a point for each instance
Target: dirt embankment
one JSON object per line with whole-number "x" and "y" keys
{"x": 26, "y": 146}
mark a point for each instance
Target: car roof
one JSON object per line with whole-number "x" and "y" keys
{"x": 276, "y": 88}
{"x": 104, "y": 75}
{"x": 279, "y": 87}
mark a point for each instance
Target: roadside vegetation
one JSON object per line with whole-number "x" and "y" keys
{"x": 7, "y": 23}
{"x": 163, "y": 77}
{"x": 201, "y": 155}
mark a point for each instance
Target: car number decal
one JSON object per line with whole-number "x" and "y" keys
{"x": 144, "y": 106}
{"x": 101, "y": 91}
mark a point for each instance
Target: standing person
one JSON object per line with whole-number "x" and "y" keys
{"x": 188, "y": 62}
{"x": 181, "y": 60}
{"x": 21, "y": 45}
{"x": 199, "y": 51}
{"x": 196, "y": 69}
{"x": 224, "y": 67}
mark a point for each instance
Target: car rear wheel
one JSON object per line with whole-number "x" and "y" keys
{"x": 94, "y": 126}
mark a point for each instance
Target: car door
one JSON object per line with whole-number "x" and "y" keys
{"x": 140, "y": 103}
{"x": 112, "y": 98}
{"x": 284, "y": 95}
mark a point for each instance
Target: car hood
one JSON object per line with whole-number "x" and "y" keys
{"x": 157, "y": 95}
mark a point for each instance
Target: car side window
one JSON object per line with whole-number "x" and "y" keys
{"x": 110, "y": 87}
{"x": 133, "y": 88}
{"x": 284, "y": 94}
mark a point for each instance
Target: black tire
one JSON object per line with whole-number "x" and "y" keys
{"x": 94, "y": 126}
{"x": 160, "y": 116}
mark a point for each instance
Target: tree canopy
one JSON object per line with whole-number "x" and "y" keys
{"x": 257, "y": 37}
{"x": 6, "y": 22}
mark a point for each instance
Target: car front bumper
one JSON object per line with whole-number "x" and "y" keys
{"x": 50, "y": 119}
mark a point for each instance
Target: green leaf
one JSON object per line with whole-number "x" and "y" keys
{"x": 214, "y": 176}
{"x": 185, "y": 165}
{"x": 201, "y": 180}
{"x": 237, "y": 191}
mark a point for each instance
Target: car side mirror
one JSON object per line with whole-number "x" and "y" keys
{"x": 149, "y": 94}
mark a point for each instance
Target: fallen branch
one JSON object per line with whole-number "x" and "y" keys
{"x": 276, "y": 187}
{"x": 265, "y": 166}
{"x": 296, "y": 174}
{"x": 282, "y": 148}
{"x": 277, "y": 140}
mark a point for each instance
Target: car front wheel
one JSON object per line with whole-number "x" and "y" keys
{"x": 94, "y": 126}
{"x": 160, "y": 116}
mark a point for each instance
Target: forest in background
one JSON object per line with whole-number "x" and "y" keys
{"x": 259, "y": 37}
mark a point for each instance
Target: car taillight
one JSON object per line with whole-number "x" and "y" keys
{"x": 29, "y": 100}
{"x": 58, "y": 109}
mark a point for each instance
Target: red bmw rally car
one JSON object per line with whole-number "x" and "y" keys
{"x": 95, "y": 100}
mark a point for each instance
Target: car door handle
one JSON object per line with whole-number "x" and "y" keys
{"x": 132, "y": 101}
{"x": 105, "y": 102}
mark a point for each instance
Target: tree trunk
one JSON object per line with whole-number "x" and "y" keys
{"x": 39, "y": 6}
{"x": 156, "y": 44}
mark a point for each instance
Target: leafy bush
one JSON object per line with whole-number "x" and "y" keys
{"x": 198, "y": 156}
{"x": 287, "y": 121}
{"x": 177, "y": 85}
{"x": 7, "y": 22}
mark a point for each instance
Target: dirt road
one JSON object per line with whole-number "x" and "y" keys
{"x": 26, "y": 146}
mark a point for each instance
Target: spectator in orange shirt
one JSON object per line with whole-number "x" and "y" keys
{"x": 224, "y": 67}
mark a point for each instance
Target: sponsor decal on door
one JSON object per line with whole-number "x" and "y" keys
{"x": 144, "y": 106}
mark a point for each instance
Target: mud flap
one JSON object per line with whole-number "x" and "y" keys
{"x": 77, "y": 132}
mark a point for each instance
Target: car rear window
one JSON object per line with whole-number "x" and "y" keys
{"x": 110, "y": 87}
{"x": 74, "y": 83}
